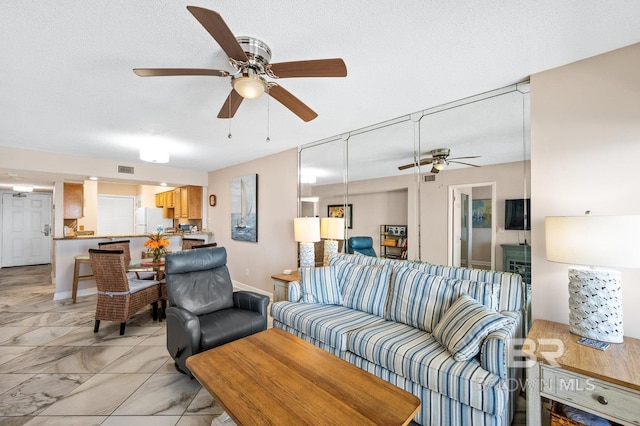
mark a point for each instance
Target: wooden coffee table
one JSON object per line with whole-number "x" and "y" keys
{"x": 275, "y": 378}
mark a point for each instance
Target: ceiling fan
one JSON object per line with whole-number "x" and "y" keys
{"x": 250, "y": 58}
{"x": 440, "y": 159}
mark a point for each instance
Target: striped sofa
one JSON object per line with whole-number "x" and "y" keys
{"x": 441, "y": 333}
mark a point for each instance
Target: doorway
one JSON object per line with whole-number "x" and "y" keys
{"x": 472, "y": 225}
{"x": 26, "y": 229}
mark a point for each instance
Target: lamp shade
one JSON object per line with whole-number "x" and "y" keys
{"x": 306, "y": 229}
{"x": 332, "y": 228}
{"x": 610, "y": 241}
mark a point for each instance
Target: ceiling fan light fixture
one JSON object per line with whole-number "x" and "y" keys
{"x": 249, "y": 87}
{"x": 440, "y": 164}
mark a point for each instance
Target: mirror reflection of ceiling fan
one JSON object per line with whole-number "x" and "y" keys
{"x": 440, "y": 159}
{"x": 250, "y": 58}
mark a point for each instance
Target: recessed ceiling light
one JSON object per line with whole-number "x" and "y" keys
{"x": 163, "y": 183}
{"x": 93, "y": 178}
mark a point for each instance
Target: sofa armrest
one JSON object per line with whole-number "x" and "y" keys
{"x": 251, "y": 301}
{"x": 496, "y": 347}
{"x": 294, "y": 291}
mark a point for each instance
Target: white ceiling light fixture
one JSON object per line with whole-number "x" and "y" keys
{"x": 93, "y": 178}
{"x": 250, "y": 85}
{"x": 22, "y": 188}
{"x": 154, "y": 155}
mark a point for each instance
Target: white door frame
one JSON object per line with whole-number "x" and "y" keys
{"x": 451, "y": 222}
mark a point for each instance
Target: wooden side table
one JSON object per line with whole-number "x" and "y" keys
{"x": 281, "y": 285}
{"x": 605, "y": 383}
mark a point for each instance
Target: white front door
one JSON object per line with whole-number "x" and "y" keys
{"x": 26, "y": 229}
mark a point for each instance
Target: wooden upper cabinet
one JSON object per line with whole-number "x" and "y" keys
{"x": 161, "y": 199}
{"x": 188, "y": 202}
{"x": 73, "y": 200}
{"x": 169, "y": 198}
{"x": 177, "y": 205}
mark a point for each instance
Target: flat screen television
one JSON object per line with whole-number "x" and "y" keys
{"x": 517, "y": 214}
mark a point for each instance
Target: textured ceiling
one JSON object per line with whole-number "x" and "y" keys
{"x": 66, "y": 83}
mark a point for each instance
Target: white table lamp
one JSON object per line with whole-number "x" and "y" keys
{"x": 331, "y": 229}
{"x": 595, "y": 295}
{"x": 306, "y": 232}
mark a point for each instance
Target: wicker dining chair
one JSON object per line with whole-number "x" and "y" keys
{"x": 119, "y": 297}
{"x": 188, "y": 243}
{"x": 125, "y": 246}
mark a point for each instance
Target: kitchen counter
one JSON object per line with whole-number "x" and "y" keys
{"x": 67, "y": 248}
{"x": 118, "y": 237}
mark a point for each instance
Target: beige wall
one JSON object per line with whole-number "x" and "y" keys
{"x": 585, "y": 121}
{"x": 250, "y": 263}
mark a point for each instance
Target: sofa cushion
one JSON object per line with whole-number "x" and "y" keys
{"x": 416, "y": 355}
{"x": 511, "y": 288}
{"x": 319, "y": 285}
{"x": 419, "y": 299}
{"x": 364, "y": 287}
{"x": 465, "y": 324}
{"x": 327, "y": 323}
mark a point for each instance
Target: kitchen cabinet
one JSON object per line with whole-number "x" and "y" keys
{"x": 160, "y": 199}
{"x": 169, "y": 198}
{"x": 177, "y": 205}
{"x": 73, "y": 200}
{"x": 188, "y": 202}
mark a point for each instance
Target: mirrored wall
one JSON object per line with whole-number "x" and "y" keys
{"x": 440, "y": 176}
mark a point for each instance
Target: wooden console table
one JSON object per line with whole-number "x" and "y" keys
{"x": 605, "y": 383}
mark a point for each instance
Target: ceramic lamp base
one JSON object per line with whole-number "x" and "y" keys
{"x": 595, "y": 304}
{"x": 307, "y": 255}
{"x": 330, "y": 247}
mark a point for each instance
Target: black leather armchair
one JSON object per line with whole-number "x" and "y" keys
{"x": 204, "y": 310}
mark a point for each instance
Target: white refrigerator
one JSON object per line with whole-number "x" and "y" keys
{"x": 148, "y": 219}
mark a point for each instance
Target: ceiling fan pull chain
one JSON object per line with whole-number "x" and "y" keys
{"x": 268, "y": 139}
{"x": 229, "y": 135}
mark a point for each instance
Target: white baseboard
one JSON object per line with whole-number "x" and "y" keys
{"x": 89, "y": 291}
{"x": 81, "y": 292}
{"x": 242, "y": 286}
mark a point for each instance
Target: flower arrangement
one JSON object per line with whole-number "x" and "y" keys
{"x": 156, "y": 246}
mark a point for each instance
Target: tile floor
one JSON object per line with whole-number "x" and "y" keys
{"x": 54, "y": 370}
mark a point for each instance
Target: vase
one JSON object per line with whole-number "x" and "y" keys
{"x": 157, "y": 256}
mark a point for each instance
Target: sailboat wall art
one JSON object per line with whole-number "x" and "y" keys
{"x": 244, "y": 208}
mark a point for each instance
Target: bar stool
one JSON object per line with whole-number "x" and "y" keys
{"x": 83, "y": 258}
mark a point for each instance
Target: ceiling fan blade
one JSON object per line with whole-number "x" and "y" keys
{"x": 313, "y": 68}
{"x": 423, "y": 162}
{"x": 231, "y": 105}
{"x": 294, "y": 104}
{"x": 460, "y": 162}
{"x": 161, "y": 72}
{"x": 434, "y": 170}
{"x": 215, "y": 25}
{"x": 462, "y": 158}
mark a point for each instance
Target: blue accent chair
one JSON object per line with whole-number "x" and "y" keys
{"x": 362, "y": 245}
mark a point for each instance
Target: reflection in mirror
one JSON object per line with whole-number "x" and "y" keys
{"x": 488, "y": 136}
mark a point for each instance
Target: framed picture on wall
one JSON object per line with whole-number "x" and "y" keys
{"x": 338, "y": 210}
{"x": 481, "y": 211}
{"x": 244, "y": 208}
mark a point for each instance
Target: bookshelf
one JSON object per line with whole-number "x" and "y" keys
{"x": 393, "y": 241}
